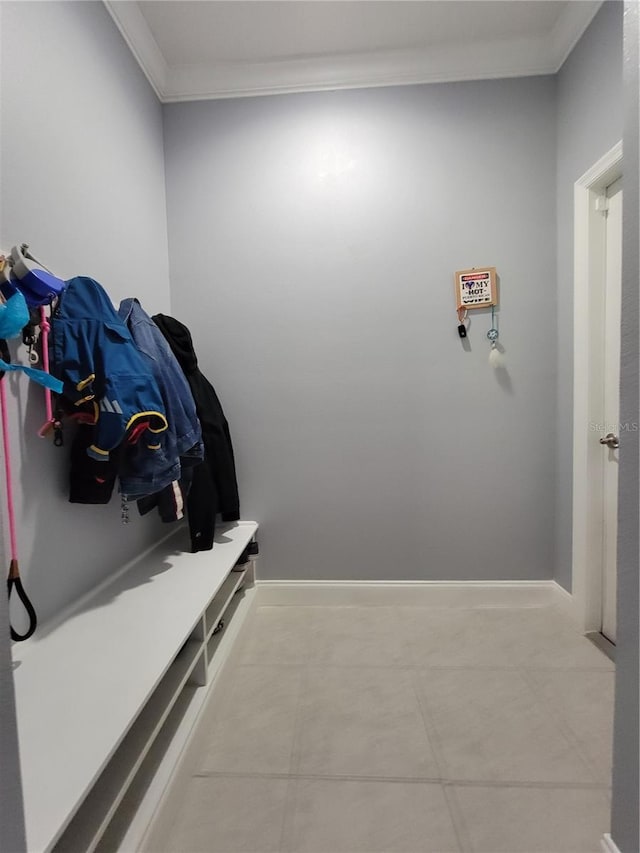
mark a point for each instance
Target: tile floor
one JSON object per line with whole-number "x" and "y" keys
{"x": 399, "y": 729}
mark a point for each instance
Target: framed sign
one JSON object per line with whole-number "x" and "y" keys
{"x": 476, "y": 288}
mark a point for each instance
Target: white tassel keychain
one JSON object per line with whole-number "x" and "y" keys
{"x": 496, "y": 358}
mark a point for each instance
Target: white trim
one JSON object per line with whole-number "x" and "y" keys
{"x": 588, "y": 272}
{"x": 517, "y": 57}
{"x": 413, "y": 593}
{"x": 565, "y": 602}
{"x": 441, "y": 64}
{"x": 604, "y": 171}
{"x": 608, "y": 845}
{"x": 570, "y": 27}
{"x": 135, "y": 31}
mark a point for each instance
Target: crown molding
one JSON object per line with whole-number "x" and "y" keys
{"x": 135, "y": 31}
{"x": 569, "y": 28}
{"x": 520, "y": 57}
{"x": 351, "y": 71}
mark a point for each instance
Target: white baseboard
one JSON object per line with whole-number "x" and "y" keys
{"x": 565, "y": 601}
{"x": 608, "y": 845}
{"x": 414, "y": 593}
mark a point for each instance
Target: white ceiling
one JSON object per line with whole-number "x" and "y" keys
{"x": 232, "y": 48}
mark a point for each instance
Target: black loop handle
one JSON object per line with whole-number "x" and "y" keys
{"x": 4, "y": 355}
{"x": 14, "y": 582}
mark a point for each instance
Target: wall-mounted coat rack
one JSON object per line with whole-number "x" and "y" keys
{"x": 478, "y": 288}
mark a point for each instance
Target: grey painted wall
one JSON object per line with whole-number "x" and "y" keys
{"x": 82, "y": 182}
{"x": 313, "y": 240}
{"x": 625, "y": 828}
{"x": 590, "y": 117}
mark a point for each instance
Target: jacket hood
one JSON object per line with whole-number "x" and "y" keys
{"x": 85, "y": 299}
{"x": 179, "y": 339}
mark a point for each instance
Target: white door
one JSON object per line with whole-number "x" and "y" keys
{"x": 611, "y": 432}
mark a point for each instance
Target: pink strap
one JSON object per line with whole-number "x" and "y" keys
{"x": 7, "y": 470}
{"x": 46, "y": 328}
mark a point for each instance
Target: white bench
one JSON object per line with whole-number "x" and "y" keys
{"x": 94, "y": 692}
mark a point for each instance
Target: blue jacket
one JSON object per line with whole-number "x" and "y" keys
{"x": 149, "y": 473}
{"x": 98, "y": 362}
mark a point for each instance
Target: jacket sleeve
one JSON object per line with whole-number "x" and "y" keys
{"x": 73, "y": 362}
{"x": 219, "y": 453}
{"x": 130, "y": 395}
{"x": 126, "y": 405}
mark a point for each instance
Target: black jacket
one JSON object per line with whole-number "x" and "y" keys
{"x": 214, "y": 488}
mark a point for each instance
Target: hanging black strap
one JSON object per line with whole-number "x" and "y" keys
{"x": 4, "y": 354}
{"x": 14, "y": 582}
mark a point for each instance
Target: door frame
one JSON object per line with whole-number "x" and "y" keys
{"x": 589, "y": 280}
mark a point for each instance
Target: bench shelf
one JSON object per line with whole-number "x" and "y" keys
{"x": 94, "y": 692}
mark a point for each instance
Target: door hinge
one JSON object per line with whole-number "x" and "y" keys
{"x": 602, "y": 204}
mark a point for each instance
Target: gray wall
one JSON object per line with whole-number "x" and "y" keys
{"x": 625, "y": 828}
{"x": 82, "y": 182}
{"x": 313, "y": 240}
{"x": 590, "y": 114}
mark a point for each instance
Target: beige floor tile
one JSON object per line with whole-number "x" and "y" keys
{"x": 529, "y": 636}
{"x": 249, "y": 727}
{"x": 489, "y": 727}
{"x": 276, "y": 635}
{"x": 363, "y": 722}
{"x": 505, "y": 695}
{"x": 223, "y": 815}
{"x": 356, "y": 636}
{"x": 533, "y": 820}
{"x": 453, "y": 637}
{"x": 544, "y": 637}
{"x": 585, "y": 702}
{"x": 369, "y": 817}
